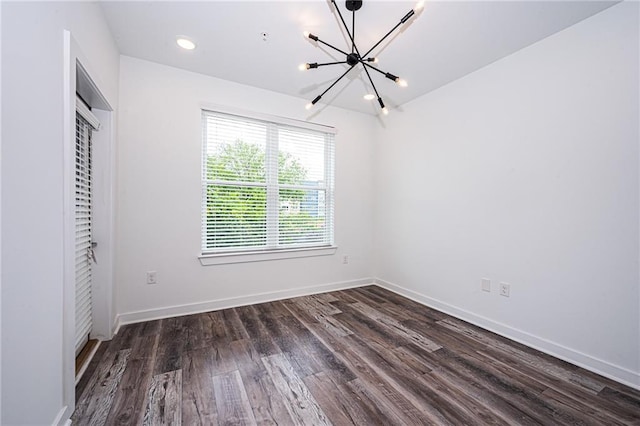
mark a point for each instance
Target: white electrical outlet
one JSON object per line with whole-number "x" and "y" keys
{"x": 505, "y": 289}
{"x": 152, "y": 277}
{"x": 486, "y": 284}
{"x": 345, "y": 259}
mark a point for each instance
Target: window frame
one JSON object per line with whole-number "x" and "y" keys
{"x": 269, "y": 251}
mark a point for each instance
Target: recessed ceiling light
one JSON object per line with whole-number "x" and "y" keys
{"x": 185, "y": 43}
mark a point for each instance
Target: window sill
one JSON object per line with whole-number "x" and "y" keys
{"x": 262, "y": 256}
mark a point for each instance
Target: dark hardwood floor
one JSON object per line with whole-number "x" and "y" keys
{"x": 362, "y": 356}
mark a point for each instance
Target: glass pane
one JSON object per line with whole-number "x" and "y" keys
{"x": 301, "y": 217}
{"x": 235, "y": 149}
{"x": 301, "y": 157}
{"x": 236, "y": 216}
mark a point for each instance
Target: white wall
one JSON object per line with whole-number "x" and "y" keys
{"x": 159, "y": 195}
{"x": 32, "y": 196}
{"x": 526, "y": 172}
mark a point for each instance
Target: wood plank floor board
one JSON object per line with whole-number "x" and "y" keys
{"x": 94, "y": 408}
{"x": 232, "y": 402}
{"x": 537, "y": 360}
{"x": 91, "y": 368}
{"x": 125, "y": 337}
{"x": 299, "y": 402}
{"x": 394, "y": 408}
{"x": 397, "y": 405}
{"x": 461, "y": 398}
{"x": 373, "y": 298}
{"x": 234, "y": 328}
{"x": 149, "y": 328}
{"x": 328, "y": 322}
{"x": 515, "y": 373}
{"x": 315, "y": 351}
{"x": 505, "y": 397}
{"x": 363, "y": 356}
{"x": 579, "y": 410}
{"x": 316, "y": 305}
{"x": 521, "y": 369}
{"x": 286, "y": 339}
{"x": 408, "y": 307}
{"x": 398, "y": 311}
{"x": 493, "y": 409}
{"x": 257, "y": 331}
{"x": 267, "y": 404}
{"x": 371, "y": 328}
{"x": 397, "y": 327}
{"x": 130, "y": 398}
{"x": 627, "y": 400}
{"x": 222, "y": 359}
{"x": 194, "y": 334}
{"x": 331, "y": 364}
{"x": 198, "y": 400}
{"x": 164, "y": 400}
{"x": 502, "y": 363}
{"x": 582, "y": 397}
{"x": 339, "y": 406}
{"x": 527, "y": 399}
{"x": 323, "y": 313}
{"x": 213, "y": 327}
{"x": 414, "y": 388}
{"x": 170, "y": 346}
{"x": 327, "y": 297}
{"x": 417, "y": 365}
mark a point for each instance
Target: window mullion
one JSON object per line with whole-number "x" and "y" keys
{"x": 271, "y": 169}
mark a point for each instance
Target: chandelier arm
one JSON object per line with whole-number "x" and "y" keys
{"x": 382, "y": 39}
{"x": 332, "y": 63}
{"x": 335, "y": 82}
{"x": 404, "y": 19}
{"x": 353, "y": 30}
{"x": 333, "y": 47}
{"x": 371, "y": 81}
{"x": 372, "y": 67}
{"x": 386, "y": 74}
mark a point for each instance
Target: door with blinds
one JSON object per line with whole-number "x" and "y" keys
{"x": 86, "y": 123}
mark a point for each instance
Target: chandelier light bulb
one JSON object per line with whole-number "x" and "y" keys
{"x": 308, "y": 106}
{"x": 185, "y": 43}
{"x": 303, "y": 67}
{"x": 418, "y": 7}
{"x": 306, "y": 34}
{"x": 402, "y": 83}
{"x": 385, "y": 111}
{"x": 369, "y": 97}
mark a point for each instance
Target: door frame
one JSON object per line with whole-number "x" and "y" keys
{"x": 79, "y": 75}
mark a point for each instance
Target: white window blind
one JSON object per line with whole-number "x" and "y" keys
{"x": 265, "y": 185}
{"x": 83, "y": 215}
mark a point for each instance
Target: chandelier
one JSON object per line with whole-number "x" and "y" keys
{"x": 355, "y": 57}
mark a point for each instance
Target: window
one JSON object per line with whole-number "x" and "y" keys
{"x": 266, "y": 185}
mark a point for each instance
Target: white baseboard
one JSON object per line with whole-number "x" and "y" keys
{"x": 598, "y": 366}
{"x": 62, "y": 419}
{"x": 214, "y": 305}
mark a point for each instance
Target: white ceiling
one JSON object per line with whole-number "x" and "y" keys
{"x": 448, "y": 40}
